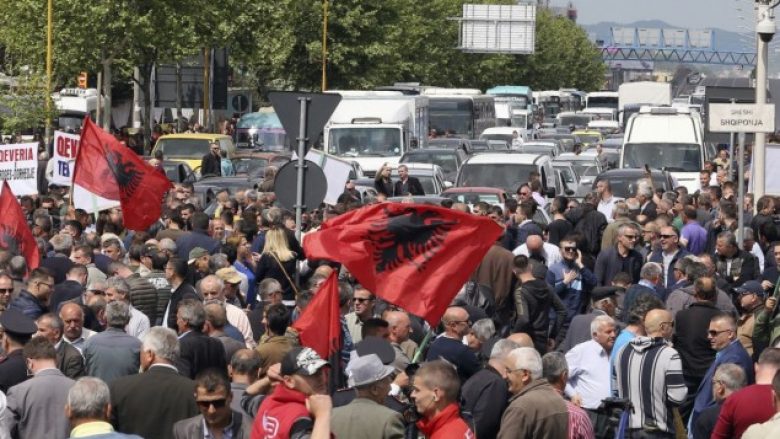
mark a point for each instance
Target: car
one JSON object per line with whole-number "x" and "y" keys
{"x": 585, "y": 164}
{"x": 570, "y": 179}
{"x": 613, "y": 144}
{"x": 548, "y": 147}
{"x": 191, "y": 147}
{"x": 179, "y": 172}
{"x": 473, "y": 195}
{"x": 624, "y": 182}
{"x": 450, "y": 143}
{"x": 507, "y": 134}
{"x": 254, "y": 163}
{"x": 588, "y": 138}
{"x": 507, "y": 171}
{"x": 419, "y": 199}
{"x": 431, "y": 178}
{"x": 206, "y": 188}
{"x": 448, "y": 159}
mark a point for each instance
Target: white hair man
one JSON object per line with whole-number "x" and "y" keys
{"x": 118, "y": 289}
{"x": 211, "y": 288}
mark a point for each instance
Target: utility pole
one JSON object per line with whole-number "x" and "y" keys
{"x": 765, "y": 28}
{"x": 49, "y": 69}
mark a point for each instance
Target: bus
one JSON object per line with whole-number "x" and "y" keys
{"x": 460, "y": 112}
{"x": 261, "y": 130}
{"x": 514, "y": 105}
{"x": 602, "y": 99}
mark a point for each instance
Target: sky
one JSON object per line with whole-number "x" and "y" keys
{"x": 692, "y": 14}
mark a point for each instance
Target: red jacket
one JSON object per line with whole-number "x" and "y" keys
{"x": 278, "y": 413}
{"x": 446, "y": 425}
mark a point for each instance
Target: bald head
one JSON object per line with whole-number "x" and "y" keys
{"x": 71, "y": 309}
{"x": 534, "y": 243}
{"x": 454, "y": 314}
{"x": 456, "y": 322}
{"x": 522, "y": 339}
{"x": 463, "y": 207}
{"x": 657, "y": 323}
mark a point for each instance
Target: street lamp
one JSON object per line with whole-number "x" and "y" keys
{"x": 765, "y": 28}
{"x": 49, "y": 49}
{"x": 324, "y": 44}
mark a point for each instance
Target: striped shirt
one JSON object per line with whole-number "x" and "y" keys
{"x": 648, "y": 372}
{"x": 580, "y": 426}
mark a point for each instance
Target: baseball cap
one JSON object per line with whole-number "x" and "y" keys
{"x": 750, "y": 287}
{"x": 229, "y": 275}
{"x": 197, "y": 252}
{"x": 302, "y": 361}
{"x": 367, "y": 369}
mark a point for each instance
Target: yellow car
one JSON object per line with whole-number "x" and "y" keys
{"x": 588, "y": 138}
{"x": 191, "y": 147}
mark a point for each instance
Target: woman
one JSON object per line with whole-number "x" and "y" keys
{"x": 383, "y": 183}
{"x": 278, "y": 261}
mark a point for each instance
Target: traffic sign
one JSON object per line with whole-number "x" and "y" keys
{"x": 318, "y": 110}
{"x": 315, "y": 185}
{"x": 742, "y": 118}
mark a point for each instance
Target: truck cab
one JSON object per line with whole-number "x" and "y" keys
{"x": 73, "y": 104}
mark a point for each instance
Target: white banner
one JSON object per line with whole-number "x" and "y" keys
{"x": 91, "y": 203}
{"x": 19, "y": 166}
{"x": 66, "y": 146}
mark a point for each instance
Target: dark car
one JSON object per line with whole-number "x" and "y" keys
{"x": 624, "y": 182}
{"x": 448, "y": 159}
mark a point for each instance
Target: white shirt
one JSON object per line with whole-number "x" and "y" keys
{"x": 79, "y": 342}
{"x": 237, "y": 317}
{"x": 668, "y": 260}
{"x": 550, "y": 253}
{"x": 607, "y": 206}
{"x": 589, "y": 375}
{"x": 756, "y": 251}
{"x": 138, "y": 325}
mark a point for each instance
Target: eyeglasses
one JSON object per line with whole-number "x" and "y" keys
{"x": 668, "y": 236}
{"x": 6, "y": 290}
{"x": 361, "y": 299}
{"x": 569, "y": 249}
{"x": 508, "y": 371}
{"x": 716, "y": 333}
{"x": 217, "y": 403}
{"x": 631, "y": 237}
{"x": 458, "y": 322}
{"x": 671, "y": 324}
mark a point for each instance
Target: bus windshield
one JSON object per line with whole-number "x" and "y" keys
{"x": 674, "y": 157}
{"x": 363, "y": 142}
{"x": 508, "y": 176}
{"x": 603, "y": 102}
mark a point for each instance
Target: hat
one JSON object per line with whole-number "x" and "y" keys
{"x": 601, "y": 293}
{"x": 750, "y": 287}
{"x": 367, "y": 369}
{"x": 229, "y": 275}
{"x": 15, "y": 322}
{"x": 197, "y": 252}
{"x": 378, "y": 346}
{"x": 302, "y": 361}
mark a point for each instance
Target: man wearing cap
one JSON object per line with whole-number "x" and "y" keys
{"x": 198, "y": 261}
{"x": 232, "y": 280}
{"x": 751, "y": 299}
{"x": 17, "y": 330}
{"x": 603, "y": 302}
{"x": 301, "y": 396}
{"x": 366, "y": 416}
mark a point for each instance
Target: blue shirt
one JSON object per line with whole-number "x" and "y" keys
{"x": 696, "y": 237}
{"x": 227, "y": 167}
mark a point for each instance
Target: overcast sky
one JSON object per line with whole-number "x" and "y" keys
{"x": 692, "y": 14}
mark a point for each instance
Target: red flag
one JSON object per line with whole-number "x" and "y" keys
{"x": 416, "y": 256}
{"x": 110, "y": 170}
{"x": 15, "y": 235}
{"x": 319, "y": 326}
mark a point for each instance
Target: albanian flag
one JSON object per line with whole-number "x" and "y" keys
{"x": 15, "y": 235}
{"x": 416, "y": 256}
{"x": 114, "y": 172}
{"x": 319, "y": 325}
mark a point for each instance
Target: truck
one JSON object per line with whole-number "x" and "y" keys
{"x": 632, "y": 95}
{"x": 376, "y": 127}
{"x": 73, "y": 104}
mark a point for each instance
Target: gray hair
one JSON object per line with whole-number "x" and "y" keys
{"x": 88, "y": 398}
{"x": 600, "y": 320}
{"x": 502, "y": 348}
{"x": 61, "y": 243}
{"x": 192, "y": 312}
{"x": 554, "y": 365}
{"x": 623, "y": 227}
{"x": 695, "y": 270}
{"x": 117, "y": 314}
{"x": 731, "y": 376}
{"x": 55, "y": 322}
{"x": 646, "y": 190}
{"x": 620, "y": 210}
{"x": 651, "y": 270}
{"x": 18, "y": 266}
{"x": 527, "y": 359}
{"x": 747, "y": 234}
{"x": 120, "y": 285}
{"x": 211, "y": 278}
{"x": 729, "y": 237}
{"x": 270, "y": 285}
{"x": 483, "y": 329}
{"x": 163, "y": 342}
{"x": 217, "y": 261}
{"x": 167, "y": 244}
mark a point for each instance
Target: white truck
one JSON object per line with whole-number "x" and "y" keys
{"x": 73, "y": 104}
{"x": 376, "y": 127}
{"x": 635, "y": 94}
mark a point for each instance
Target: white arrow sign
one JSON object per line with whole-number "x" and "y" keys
{"x": 742, "y": 118}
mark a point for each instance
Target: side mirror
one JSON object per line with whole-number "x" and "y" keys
{"x": 586, "y": 180}
{"x": 569, "y": 192}
{"x": 448, "y": 184}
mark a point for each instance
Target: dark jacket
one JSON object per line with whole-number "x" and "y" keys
{"x": 268, "y": 266}
{"x": 196, "y": 238}
{"x": 184, "y": 291}
{"x": 456, "y": 353}
{"x": 533, "y": 301}
{"x": 744, "y": 267}
{"x": 28, "y": 304}
{"x": 69, "y": 361}
{"x": 67, "y": 290}
{"x": 412, "y": 187}
{"x": 632, "y": 293}
{"x": 163, "y": 291}
{"x": 537, "y": 411}
{"x": 200, "y": 352}
{"x": 385, "y": 187}
{"x": 690, "y": 339}
{"x": 650, "y": 211}
{"x": 58, "y": 265}
{"x": 210, "y": 164}
{"x": 609, "y": 263}
{"x": 525, "y": 230}
{"x": 143, "y": 296}
{"x": 658, "y": 256}
{"x": 591, "y": 223}
{"x": 485, "y": 396}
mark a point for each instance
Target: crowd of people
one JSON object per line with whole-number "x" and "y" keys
{"x": 644, "y": 317}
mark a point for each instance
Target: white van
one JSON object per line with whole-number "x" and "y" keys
{"x": 507, "y": 171}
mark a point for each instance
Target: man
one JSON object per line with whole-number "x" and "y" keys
{"x": 622, "y": 258}
{"x": 176, "y": 273}
{"x": 692, "y": 236}
{"x": 141, "y": 295}
{"x": 112, "y": 249}
{"x": 363, "y": 302}
{"x": 668, "y": 255}
{"x": 198, "y": 351}
{"x": 72, "y": 288}
{"x": 556, "y": 372}
{"x": 603, "y": 303}
{"x": 232, "y": 280}
{"x": 570, "y": 279}
{"x": 399, "y": 327}
{"x": 647, "y": 208}
{"x": 751, "y": 299}
{"x": 751, "y": 405}
{"x": 535, "y": 409}
{"x": 435, "y": 392}
{"x": 58, "y": 264}
{"x": 682, "y": 298}
{"x": 606, "y": 199}
{"x": 6, "y": 291}
{"x": 118, "y": 290}
{"x": 211, "y": 163}
{"x": 560, "y": 227}
{"x": 216, "y": 418}
{"x": 69, "y": 360}
{"x": 770, "y": 428}
{"x": 589, "y": 369}
{"x": 733, "y": 264}
{"x": 535, "y": 248}
{"x": 89, "y": 411}
{"x": 650, "y": 239}
{"x": 198, "y": 262}
{"x": 212, "y": 288}
{"x": 216, "y": 319}
{"x": 74, "y": 333}
{"x": 495, "y": 269}
{"x": 84, "y": 255}
{"x": 651, "y": 276}
{"x": 243, "y": 370}
{"x": 407, "y": 185}
{"x": 650, "y": 366}
{"x": 728, "y": 379}
{"x": 524, "y": 224}
{"x": 449, "y": 346}
{"x": 533, "y": 300}
{"x": 366, "y": 416}
{"x": 722, "y": 334}
{"x": 17, "y": 331}
{"x": 113, "y": 353}
{"x": 301, "y": 395}
{"x": 198, "y": 237}
{"x": 276, "y": 344}
{"x": 484, "y": 394}
{"x": 32, "y": 300}
{"x": 159, "y": 389}
{"x": 162, "y": 287}
{"x": 36, "y": 405}
{"x": 621, "y": 216}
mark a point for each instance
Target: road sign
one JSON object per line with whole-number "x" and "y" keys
{"x": 288, "y": 108}
{"x": 315, "y": 185}
{"x": 742, "y": 118}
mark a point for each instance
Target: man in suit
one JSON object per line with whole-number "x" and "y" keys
{"x": 89, "y": 410}
{"x": 176, "y": 274}
{"x": 211, "y": 164}
{"x": 113, "y": 353}
{"x": 69, "y": 359}
{"x": 407, "y": 185}
{"x": 17, "y": 330}
{"x": 71, "y": 288}
{"x": 36, "y": 405}
{"x": 159, "y": 389}
{"x": 366, "y": 415}
{"x": 198, "y": 351}
{"x": 647, "y": 208}
{"x": 213, "y": 396}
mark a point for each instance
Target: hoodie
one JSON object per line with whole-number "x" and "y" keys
{"x": 533, "y": 300}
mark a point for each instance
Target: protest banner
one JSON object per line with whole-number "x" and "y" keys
{"x": 19, "y": 167}
{"x": 66, "y": 146}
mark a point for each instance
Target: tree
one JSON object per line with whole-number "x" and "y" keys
{"x": 23, "y": 106}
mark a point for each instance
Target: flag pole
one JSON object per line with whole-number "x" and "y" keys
{"x": 422, "y": 346}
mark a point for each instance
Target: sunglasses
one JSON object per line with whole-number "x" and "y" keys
{"x": 631, "y": 237}
{"x": 667, "y": 236}
{"x": 6, "y": 290}
{"x": 716, "y": 333}
{"x": 569, "y": 249}
{"x": 217, "y": 403}
{"x": 361, "y": 300}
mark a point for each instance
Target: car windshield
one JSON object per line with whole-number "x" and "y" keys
{"x": 365, "y": 142}
{"x": 473, "y": 198}
{"x": 584, "y": 168}
{"x": 271, "y": 140}
{"x": 426, "y": 181}
{"x": 578, "y": 121}
{"x": 625, "y": 187}
{"x": 566, "y": 172}
{"x": 451, "y": 123}
{"x": 504, "y": 176}
{"x": 674, "y": 157}
{"x": 588, "y": 138}
{"x": 251, "y": 166}
{"x": 184, "y": 147}
{"x": 448, "y": 162}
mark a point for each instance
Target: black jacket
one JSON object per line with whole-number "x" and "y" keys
{"x": 211, "y": 165}
{"x": 533, "y": 301}
{"x": 68, "y": 290}
{"x": 744, "y": 267}
{"x": 385, "y": 187}
{"x": 200, "y": 352}
{"x": 456, "y": 353}
{"x": 184, "y": 291}
{"x": 591, "y": 223}
{"x": 413, "y": 187}
{"x": 269, "y": 267}
{"x": 58, "y": 265}
{"x": 143, "y": 296}
{"x": 485, "y": 396}
{"x": 690, "y": 338}
{"x": 650, "y": 211}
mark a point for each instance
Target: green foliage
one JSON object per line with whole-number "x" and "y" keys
{"x": 23, "y": 106}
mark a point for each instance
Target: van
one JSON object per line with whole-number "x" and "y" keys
{"x": 507, "y": 171}
{"x": 191, "y": 147}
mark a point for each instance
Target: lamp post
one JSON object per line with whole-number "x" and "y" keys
{"x": 49, "y": 49}
{"x": 765, "y": 28}
{"x": 324, "y": 44}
